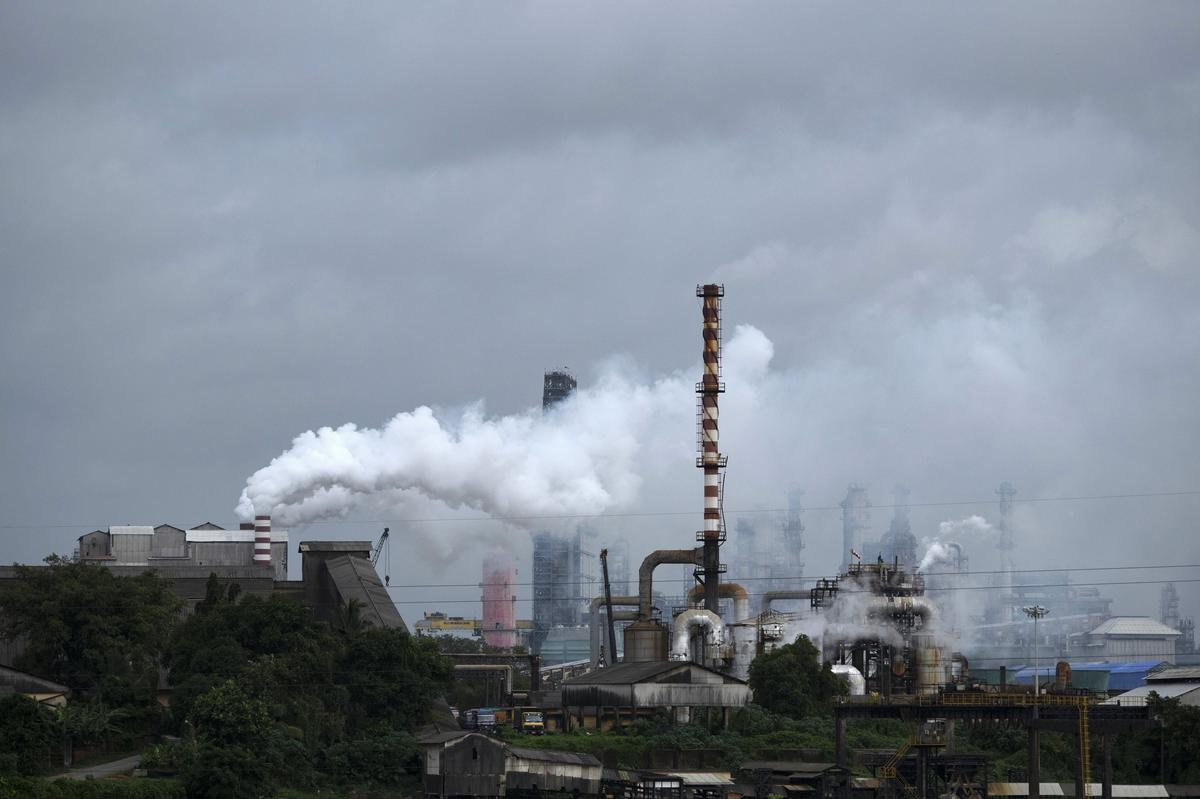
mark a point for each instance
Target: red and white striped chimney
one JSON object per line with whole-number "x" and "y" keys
{"x": 262, "y": 541}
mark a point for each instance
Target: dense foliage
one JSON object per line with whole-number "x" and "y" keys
{"x": 268, "y": 695}
{"x": 791, "y": 681}
{"x": 26, "y": 788}
{"x": 100, "y": 634}
{"x": 28, "y": 736}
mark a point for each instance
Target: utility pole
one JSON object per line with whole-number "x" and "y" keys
{"x": 612, "y": 630}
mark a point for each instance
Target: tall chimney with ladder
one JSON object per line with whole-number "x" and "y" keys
{"x": 710, "y": 459}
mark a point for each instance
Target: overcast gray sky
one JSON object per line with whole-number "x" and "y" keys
{"x": 969, "y": 233}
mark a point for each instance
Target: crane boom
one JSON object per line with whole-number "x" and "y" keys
{"x": 379, "y": 547}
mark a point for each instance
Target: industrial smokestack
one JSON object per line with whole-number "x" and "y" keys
{"x": 711, "y": 460}
{"x": 262, "y": 541}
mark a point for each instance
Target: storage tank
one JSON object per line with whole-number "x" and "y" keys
{"x": 646, "y": 641}
{"x": 931, "y": 668}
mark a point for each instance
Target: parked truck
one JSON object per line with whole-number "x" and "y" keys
{"x": 530, "y": 722}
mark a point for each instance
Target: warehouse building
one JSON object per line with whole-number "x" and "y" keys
{"x": 471, "y": 764}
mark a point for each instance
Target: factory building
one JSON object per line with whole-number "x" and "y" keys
{"x": 460, "y": 763}
{"x": 335, "y": 574}
{"x": 1128, "y": 638}
{"x": 205, "y": 545}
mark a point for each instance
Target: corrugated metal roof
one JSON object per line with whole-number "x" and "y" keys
{"x": 132, "y": 529}
{"x": 1022, "y": 789}
{"x": 628, "y": 673}
{"x": 1177, "y": 673}
{"x": 232, "y": 536}
{"x": 442, "y": 737}
{"x": 1120, "y": 791}
{"x": 25, "y": 683}
{"x": 548, "y": 756}
{"x": 356, "y": 578}
{"x": 790, "y": 766}
{"x": 1167, "y": 690}
{"x": 1134, "y": 625}
{"x": 335, "y": 546}
{"x": 699, "y": 777}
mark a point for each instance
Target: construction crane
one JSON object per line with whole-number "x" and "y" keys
{"x": 383, "y": 539}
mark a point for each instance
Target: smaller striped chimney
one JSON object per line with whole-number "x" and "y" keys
{"x": 262, "y": 541}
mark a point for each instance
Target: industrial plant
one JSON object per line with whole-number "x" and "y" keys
{"x": 891, "y": 622}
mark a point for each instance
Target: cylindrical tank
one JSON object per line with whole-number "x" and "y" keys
{"x": 931, "y": 669}
{"x": 499, "y": 600}
{"x": 646, "y": 641}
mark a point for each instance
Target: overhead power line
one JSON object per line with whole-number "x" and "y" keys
{"x": 802, "y": 579}
{"x": 651, "y": 514}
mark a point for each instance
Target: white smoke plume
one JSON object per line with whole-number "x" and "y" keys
{"x": 936, "y": 553}
{"x": 584, "y": 456}
{"x": 973, "y": 527}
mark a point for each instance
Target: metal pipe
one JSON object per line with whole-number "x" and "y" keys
{"x": 659, "y": 557}
{"x": 504, "y": 667}
{"x": 771, "y": 596}
{"x": 917, "y": 605}
{"x": 594, "y": 624}
{"x": 708, "y": 622}
{"x": 854, "y": 677}
{"x": 741, "y": 600}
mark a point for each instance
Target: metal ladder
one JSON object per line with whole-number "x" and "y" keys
{"x": 889, "y": 771}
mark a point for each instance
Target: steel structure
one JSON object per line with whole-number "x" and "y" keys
{"x": 856, "y": 521}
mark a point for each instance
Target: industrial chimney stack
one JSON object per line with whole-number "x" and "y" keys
{"x": 262, "y": 541}
{"x": 711, "y": 460}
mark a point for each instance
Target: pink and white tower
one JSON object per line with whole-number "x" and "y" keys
{"x": 499, "y": 600}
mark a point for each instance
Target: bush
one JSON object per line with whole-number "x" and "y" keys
{"x": 28, "y": 735}
{"x": 26, "y": 788}
{"x": 226, "y": 772}
{"x": 385, "y": 760}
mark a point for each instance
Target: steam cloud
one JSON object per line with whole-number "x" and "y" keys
{"x": 973, "y": 527}
{"x": 581, "y": 457}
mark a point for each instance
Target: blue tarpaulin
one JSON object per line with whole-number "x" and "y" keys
{"x": 1121, "y": 676}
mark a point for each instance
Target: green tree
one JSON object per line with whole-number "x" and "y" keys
{"x": 98, "y": 633}
{"x": 275, "y": 647}
{"x": 28, "y": 736}
{"x": 228, "y": 716}
{"x": 392, "y": 678}
{"x": 791, "y": 681}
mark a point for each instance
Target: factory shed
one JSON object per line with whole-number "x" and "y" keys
{"x": 1131, "y": 638}
{"x": 666, "y": 683}
{"x": 471, "y": 764}
{"x": 337, "y": 573}
{"x": 633, "y": 689}
{"x": 1188, "y": 693}
{"x": 788, "y": 778}
{"x": 13, "y": 682}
